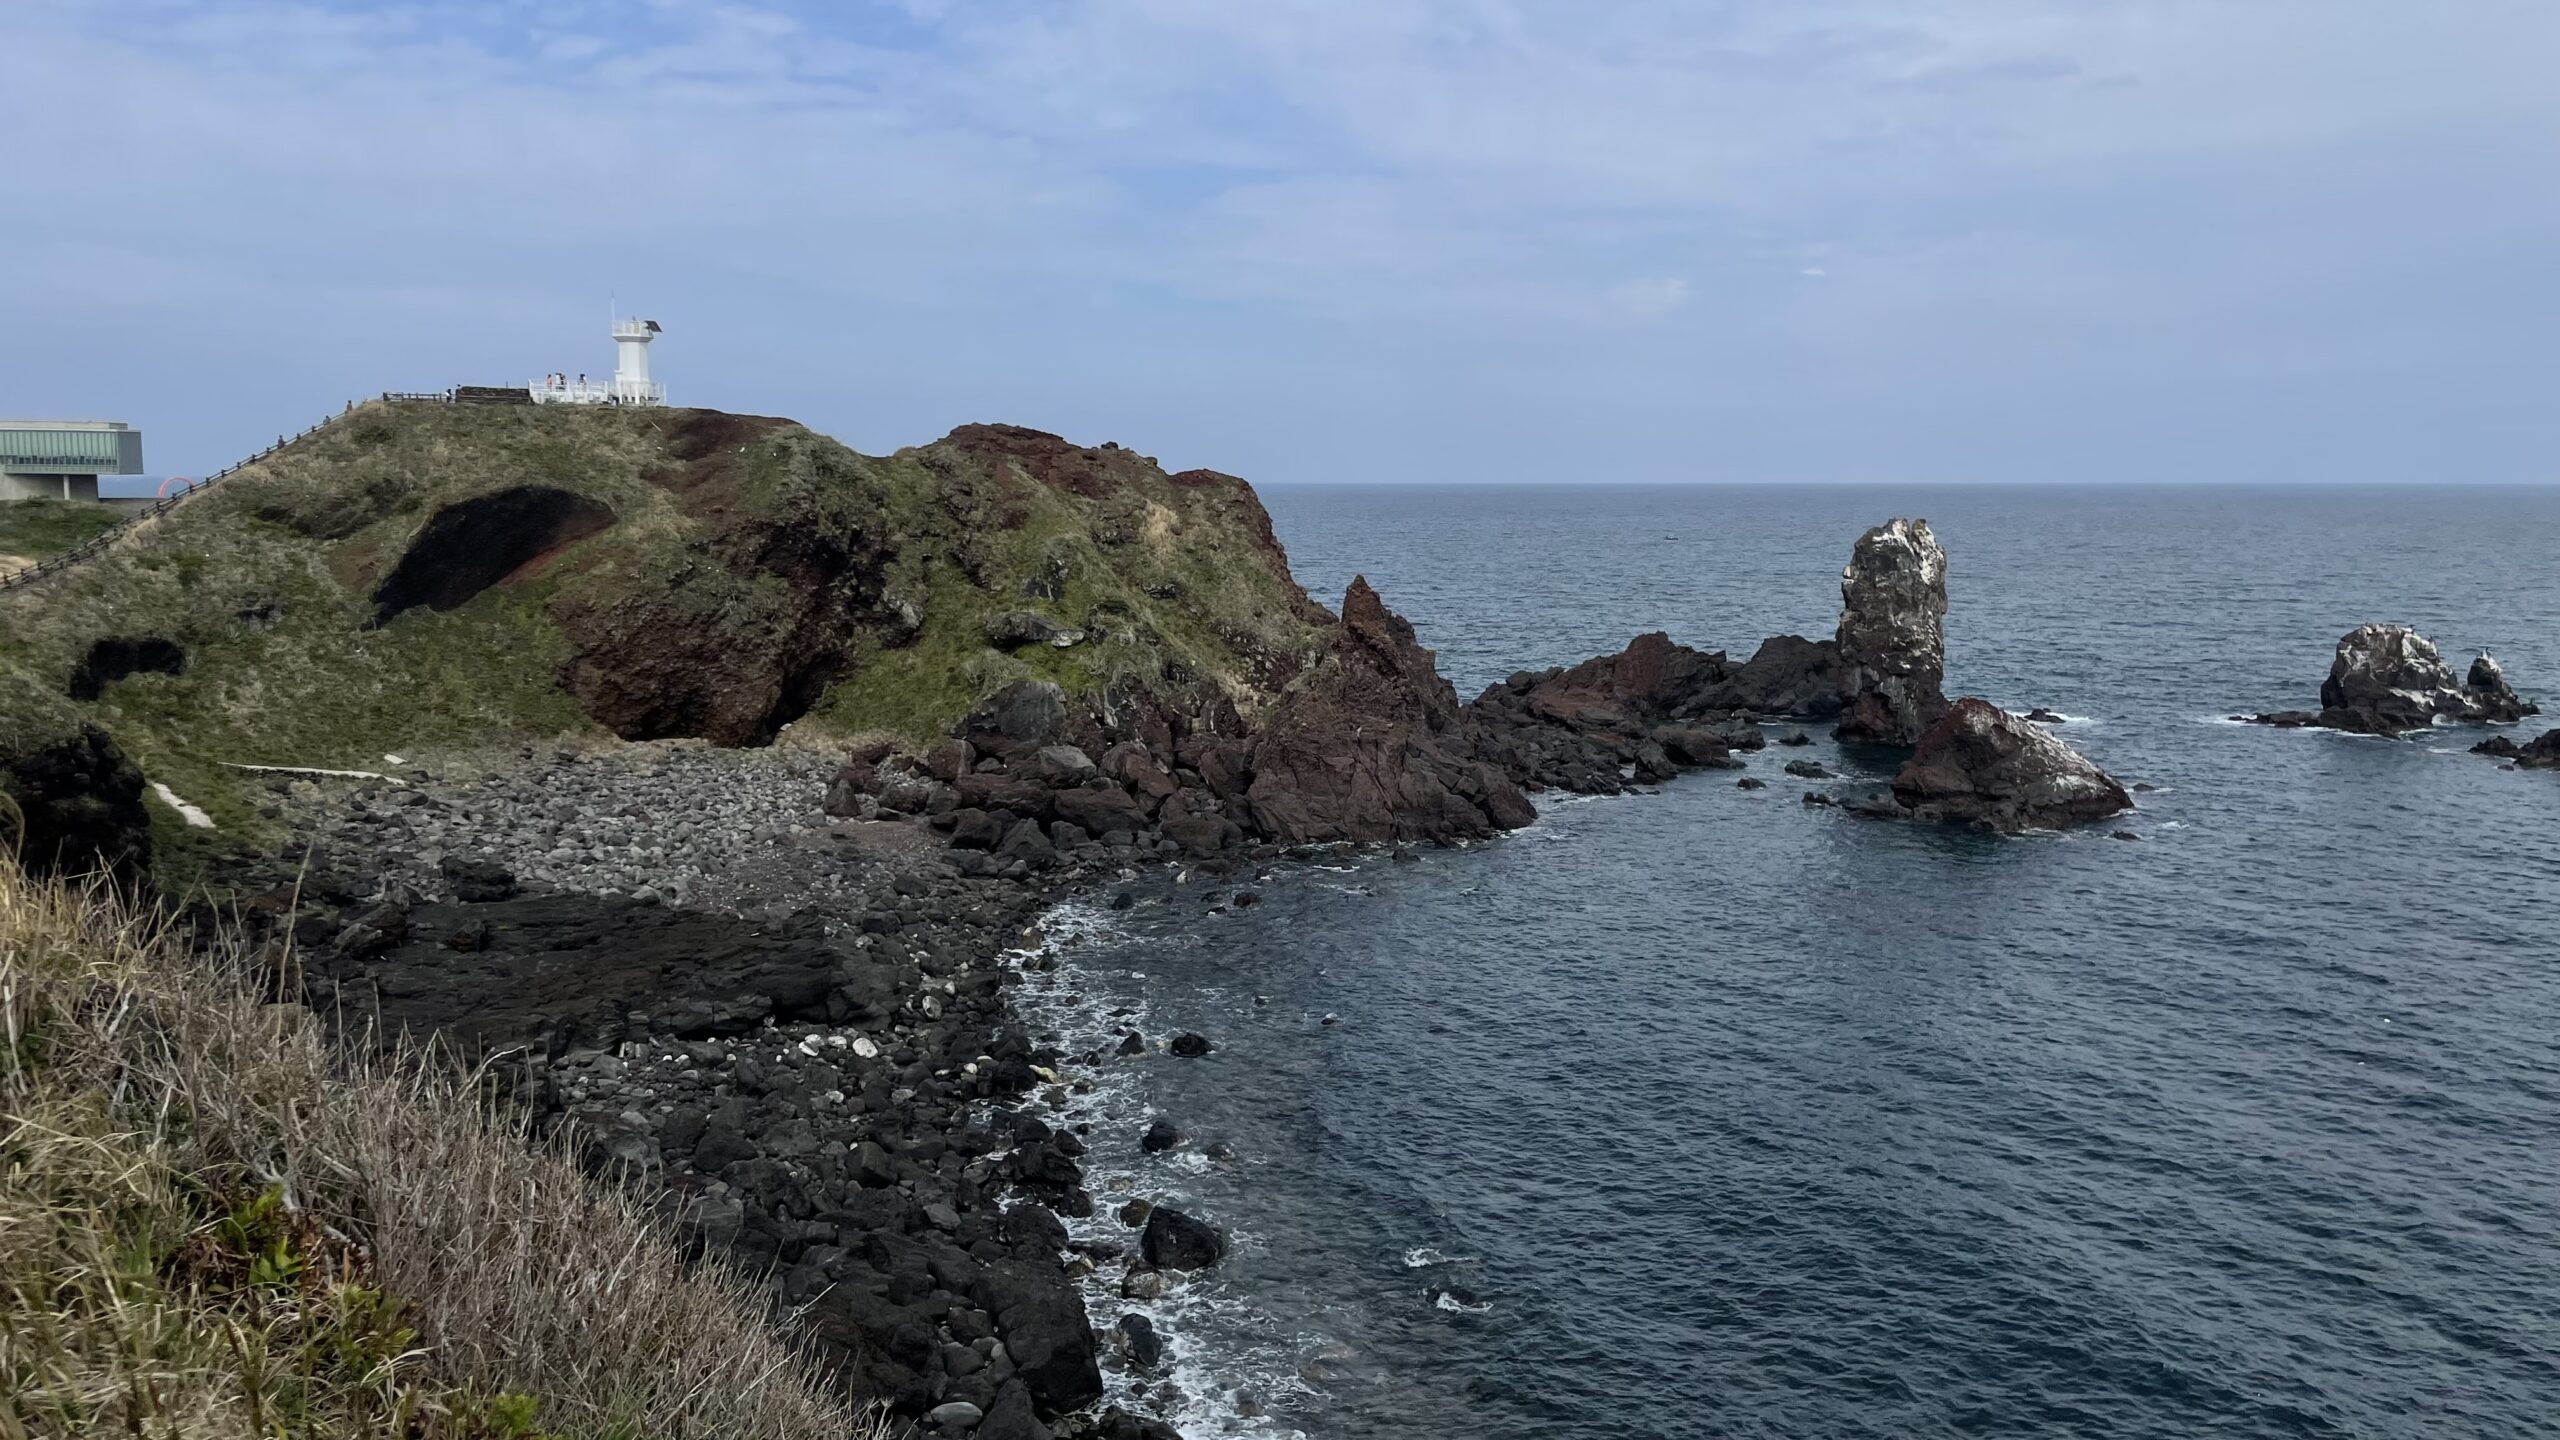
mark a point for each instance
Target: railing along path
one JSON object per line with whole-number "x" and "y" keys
{"x": 95, "y": 545}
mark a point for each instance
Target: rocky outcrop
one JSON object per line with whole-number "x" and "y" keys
{"x": 1982, "y": 766}
{"x": 1368, "y": 746}
{"x": 2389, "y": 680}
{"x": 75, "y": 806}
{"x": 1892, "y": 642}
{"x": 1644, "y": 714}
{"x": 2541, "y": 754}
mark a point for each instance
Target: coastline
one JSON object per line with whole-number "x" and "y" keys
{"x": 1052, "y": 1125}
{"x": 839, "y": 1086}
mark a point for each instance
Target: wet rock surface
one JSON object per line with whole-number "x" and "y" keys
{"x": 1982, "y": 766}
{"x": 1893, "y": 607}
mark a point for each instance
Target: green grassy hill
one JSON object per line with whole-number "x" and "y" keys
{"x": 420, "y": 575}
{"x": 41, "y": 529}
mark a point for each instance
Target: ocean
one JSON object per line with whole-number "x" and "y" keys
{"x": 1702, "y": 1112}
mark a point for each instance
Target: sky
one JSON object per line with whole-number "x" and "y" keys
{"x": 2024, "y": 241}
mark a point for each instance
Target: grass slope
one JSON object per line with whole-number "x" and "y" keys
{"x": 41, "y": 529}
{"x": 217, "y": 1222}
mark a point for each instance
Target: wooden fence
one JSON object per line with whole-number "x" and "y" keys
{"x": 30, "y": 574}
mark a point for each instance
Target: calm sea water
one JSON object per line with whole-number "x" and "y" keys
{"x": 1702, "y": 1113}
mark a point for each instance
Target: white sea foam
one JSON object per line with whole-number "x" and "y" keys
{"x": 1217, "y": 1345}
{"x": 1447, "y": 1300}
{"x": 1423, "y": 1257}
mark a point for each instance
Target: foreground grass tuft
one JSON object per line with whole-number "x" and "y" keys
{"x": 217, "y": 1221}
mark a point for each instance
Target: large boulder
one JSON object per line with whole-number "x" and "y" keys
{"x": 2389, "y": 680}
{"x": 1368, "y": 747}
{"x": 1018, "y": 719}
{"x": 1175, "y": 1241}
{"x": 1892, "y": 636}
{"x": 1044, "y": 1329}
{"x": 1980, "y": 765}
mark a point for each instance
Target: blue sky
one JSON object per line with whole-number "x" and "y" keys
{"x": 1514, "y": 240}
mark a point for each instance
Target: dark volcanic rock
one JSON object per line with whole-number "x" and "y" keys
{"x": 1018, "y": 719}
{"x": 1982, "y": 766}
{"x": 1646, "y": 710}
{"x": 2542, "y": 754}
{"x": 1012, "y": 1417}
{"x": 1893, "y": 608}
{"x": 1119, "y": 1424}
{"x": 1788, "y": 675}
{"x": 1369, "y": 747}
{"x": 476, "y": 881}
{"x": 563, "y": 971}
{"x": 1145, "y": 1347}
{"x": 2389, "y": 680}
{"x": 80, "y": 807}
{"x": 1043, "y": 1327}
{"x": 1175, "y": 1241}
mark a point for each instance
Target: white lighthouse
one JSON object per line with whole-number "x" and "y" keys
{"x": 631, "y": 384}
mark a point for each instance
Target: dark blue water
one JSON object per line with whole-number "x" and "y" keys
{"x": 1735, "y": 1117}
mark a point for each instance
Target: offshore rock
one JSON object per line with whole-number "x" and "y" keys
{"x": 2389, "y": 679}
{"x": 1368, "y": 747}
{"x": 1175, "y": 1241}
{"x": 1980, "y": 765}
{"x": 2542, "y": 754}
{"x": 2491, "y": 696}
{"x": 1893, "y": 609}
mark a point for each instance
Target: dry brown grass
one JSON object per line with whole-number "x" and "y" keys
{"x": 217, "y": 1221}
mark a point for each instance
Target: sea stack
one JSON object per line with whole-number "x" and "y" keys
{"x": 1892, "y": 635}
{"x": 1979, "y": 765}
{"x": 2389, "y": 679}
